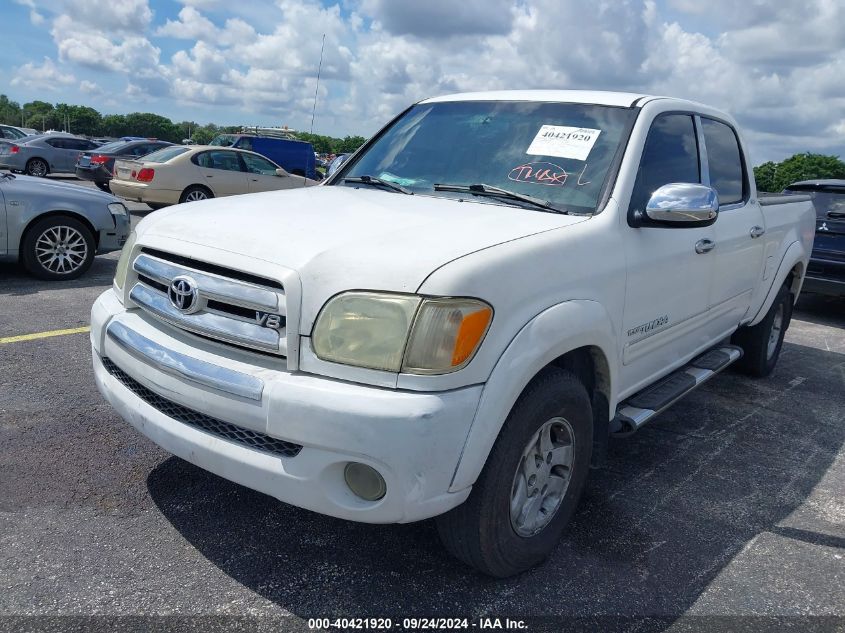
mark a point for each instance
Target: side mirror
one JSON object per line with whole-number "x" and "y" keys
{"x": 683, "y": 205}
{"x": 281, "y": 172}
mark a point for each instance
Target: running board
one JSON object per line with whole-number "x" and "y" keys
{"x": 656, "y": 398}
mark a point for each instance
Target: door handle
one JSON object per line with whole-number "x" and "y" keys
{"x": 704, "y": 246}
{"x": 757, "y": 231}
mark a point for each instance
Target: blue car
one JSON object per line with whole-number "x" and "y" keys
{"x": 826, "y": 272}
{"x": 297, "y": 157}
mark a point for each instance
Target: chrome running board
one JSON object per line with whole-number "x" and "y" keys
{"x": 634, "y": 412}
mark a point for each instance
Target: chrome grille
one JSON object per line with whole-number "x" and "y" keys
{"x": 201, "y": 421}
{"x": 228, "y": 306}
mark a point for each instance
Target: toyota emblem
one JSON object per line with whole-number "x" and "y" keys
{"x": 183, "y": 294}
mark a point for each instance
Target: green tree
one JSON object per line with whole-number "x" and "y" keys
{"x": 153, "y": 126}
{"x": 10, "y": 111}
{"x": 40, "y": 115}
{"x": 349, "y": 144}
{"x": 775, "y": 177}
{"x": 114, "y": 125}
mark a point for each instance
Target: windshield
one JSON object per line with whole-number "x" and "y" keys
{"x": 164, "y": 155}
{"x": 224, "y": 140}
{"x": 558, "y": 152}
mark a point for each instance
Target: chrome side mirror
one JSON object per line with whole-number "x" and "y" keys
{"x": 281, "y": 172}
{"x": 683, "y": 204}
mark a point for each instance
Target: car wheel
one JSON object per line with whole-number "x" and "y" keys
{"x": 37, "y": 167}
{"x": 531, "y": 484}
{"x": 103, "y": 186}
{"x": 763, "y": 342}
{"x": 58, "y": 247}
{"x": 195, "y": 193}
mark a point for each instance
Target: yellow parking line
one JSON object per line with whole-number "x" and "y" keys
{"x": 37, "y": 335}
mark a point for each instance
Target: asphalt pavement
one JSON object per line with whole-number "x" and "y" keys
{"x": 729, "y": 509}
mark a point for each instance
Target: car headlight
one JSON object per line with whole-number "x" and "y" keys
{"x": 118, "y": 208}
{"x": 395, "y": 332}
{"x": 123, "y": 262}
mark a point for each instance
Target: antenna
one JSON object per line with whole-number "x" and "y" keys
{"x": 316, "y": 87}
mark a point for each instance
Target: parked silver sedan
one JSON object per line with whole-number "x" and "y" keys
{"x": 44, "y": 154}
{"x": 55, "y": 229}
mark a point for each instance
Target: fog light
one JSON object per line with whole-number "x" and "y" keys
{"x": 364, "y": 481}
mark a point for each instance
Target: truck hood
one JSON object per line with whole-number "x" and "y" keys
{"x": 340, "y": 238}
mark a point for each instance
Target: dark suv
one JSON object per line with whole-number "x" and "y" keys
{"x": 826, "y": 272}
{"x": 98, "y": 164}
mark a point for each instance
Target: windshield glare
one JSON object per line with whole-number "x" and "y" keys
{"x": 110, "y": 147}
{"x": 164, "y": 155}
{"x": 558, "y": 152}
{"x": 223, "y": 140}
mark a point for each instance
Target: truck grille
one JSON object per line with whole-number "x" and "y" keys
{"x": 201, "y": 421}
{"x": 227, "y": 306}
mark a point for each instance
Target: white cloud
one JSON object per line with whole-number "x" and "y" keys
{"x": 131, "y": 16}
{"x": 191, "y": 25}
{"x": 90, "y": 88}
{"x": 46, "y": 76}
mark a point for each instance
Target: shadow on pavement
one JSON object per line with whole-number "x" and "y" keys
{"x": 821, "y": 309}
{"x": 15, "y": 281}
{"x": 676, "y": 503}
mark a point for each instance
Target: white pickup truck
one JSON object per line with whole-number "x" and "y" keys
{"x": 455, "y": 323}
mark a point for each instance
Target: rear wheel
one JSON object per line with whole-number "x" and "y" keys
{"x": 37, "y": 167}
{"x": 195, "y": 193}
{"x": 763, "y": 342}
{"x": 531, "y": 484}
{"x": 58, "y": 247}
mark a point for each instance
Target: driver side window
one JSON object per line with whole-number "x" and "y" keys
{"x": 670, "y": 155}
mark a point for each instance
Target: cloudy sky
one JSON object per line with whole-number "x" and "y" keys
{"x": 777, "y": 65}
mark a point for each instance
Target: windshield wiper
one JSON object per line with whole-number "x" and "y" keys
{"x": 372, "y": 180}
{"x": 498, "y": 192}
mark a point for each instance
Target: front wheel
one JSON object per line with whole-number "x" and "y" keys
{"x": 531, "y": 484}
{"x": 763, "y": 342}
{"x": 58, "y": 247}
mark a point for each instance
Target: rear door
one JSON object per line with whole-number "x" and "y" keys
{"x": 222, "y": 172}
{"x": 738, "y": 255}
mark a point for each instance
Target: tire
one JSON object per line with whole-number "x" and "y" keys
{"x": 58, "y": 247}
{"x": 195, "y": 193}
{"x": 763, "y": 342}
{"x": 484, "y": 531}
{"x": 37, "y": 167}
{"x": 155, "y": 206}
{"x": 103, "y": 186}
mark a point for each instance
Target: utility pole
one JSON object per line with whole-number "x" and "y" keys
{"x": 317, "y": 86}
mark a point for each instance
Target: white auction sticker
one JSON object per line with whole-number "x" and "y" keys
{"x": 563, "y": 141}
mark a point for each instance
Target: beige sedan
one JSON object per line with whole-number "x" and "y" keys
{"x": 184, "y": 174}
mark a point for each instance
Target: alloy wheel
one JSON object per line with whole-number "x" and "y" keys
{"x": 61, "y": 249}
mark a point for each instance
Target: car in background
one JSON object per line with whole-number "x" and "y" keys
{"x": 44, "y": 154}
{"x": 13, "y": 133}
{"x": 97, "y": 165}
{"x": 296, "y": 157}
{"x": 182, "y": 173}
{"x": 335, "y": 164}
{"x": 826, "y": 271}
{"x": 55, "y": 228}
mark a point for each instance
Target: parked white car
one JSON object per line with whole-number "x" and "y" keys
{"x": 568, "y": 265}
{"x": 186, "y": 174}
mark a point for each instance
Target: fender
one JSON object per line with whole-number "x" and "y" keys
{"x": 795, "y": 254}
{"x": 549, "y": 335}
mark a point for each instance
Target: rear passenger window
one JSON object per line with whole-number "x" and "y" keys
{"x": 724, "y": 160}
{"x": 58, "y": 143}
{"x": 670, "y": 155}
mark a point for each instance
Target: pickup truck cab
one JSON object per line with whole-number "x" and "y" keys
{"x": 455, "y": 323}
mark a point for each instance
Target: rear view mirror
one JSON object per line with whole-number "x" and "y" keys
{"x": 281, "y": 172}
{"x": 683, "y": 205}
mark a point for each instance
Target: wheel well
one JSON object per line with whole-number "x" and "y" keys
{"x": 590, "y": 365}
{"x": 43, "y": 160}
{"x": 49, "y": 214}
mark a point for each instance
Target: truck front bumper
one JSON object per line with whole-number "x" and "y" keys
{"x": 414, "y": 440}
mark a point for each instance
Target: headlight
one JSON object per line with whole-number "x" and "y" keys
{"x": 123, "y": 262}
{"x": 118, "y": 208}
{"x": 400, "y": 332}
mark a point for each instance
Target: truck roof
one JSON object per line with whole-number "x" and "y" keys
{"x": 624, "y": 99}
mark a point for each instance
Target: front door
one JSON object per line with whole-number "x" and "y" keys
{"x": 669, "y": 269}
{"x": 262, "y": 176}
